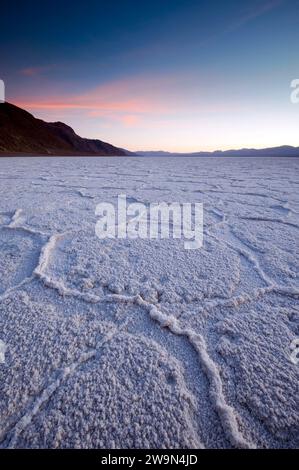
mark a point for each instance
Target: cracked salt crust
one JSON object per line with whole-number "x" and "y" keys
{"x": 139, "y": 343}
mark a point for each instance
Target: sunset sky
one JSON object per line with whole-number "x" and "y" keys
{"x": 148, "y": 75}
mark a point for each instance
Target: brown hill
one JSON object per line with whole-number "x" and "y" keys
{"x": 23, "y": 134}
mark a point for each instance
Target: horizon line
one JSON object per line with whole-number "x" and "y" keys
{"x": 177, "y": 152}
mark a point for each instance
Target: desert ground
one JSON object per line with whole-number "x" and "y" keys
{"x": 141, "y": 343}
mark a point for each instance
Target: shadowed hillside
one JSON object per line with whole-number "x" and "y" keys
{"x": 22, "y": 133}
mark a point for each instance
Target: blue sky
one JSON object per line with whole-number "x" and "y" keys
{"x": 173, "y": 75}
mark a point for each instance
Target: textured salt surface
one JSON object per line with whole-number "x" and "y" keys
{"x": 139, "y": 343}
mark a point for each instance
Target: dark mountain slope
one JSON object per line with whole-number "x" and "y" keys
{"x": 22, "y": 133}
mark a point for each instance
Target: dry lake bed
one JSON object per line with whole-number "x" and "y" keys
{"x": 139, "y": 342}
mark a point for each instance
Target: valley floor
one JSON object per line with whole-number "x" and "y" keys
{"x": 141, "y": 343}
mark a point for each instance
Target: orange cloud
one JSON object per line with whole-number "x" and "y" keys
{"x": 97, "y": 109}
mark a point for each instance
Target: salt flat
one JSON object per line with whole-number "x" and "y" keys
{"x": 140, "y": 343}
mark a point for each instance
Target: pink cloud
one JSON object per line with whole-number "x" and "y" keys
{"x": 130, "y": 97}
{"x": 35, "y": 71}
{"x": 131, "y": 102}
{"x": 130, "y": 120}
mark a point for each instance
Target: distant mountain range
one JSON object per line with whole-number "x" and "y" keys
{"x": 283, "y": 151}
{"x": 23, "y": 134}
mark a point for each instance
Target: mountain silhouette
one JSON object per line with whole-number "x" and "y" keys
{"x": 21, "y": 133}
